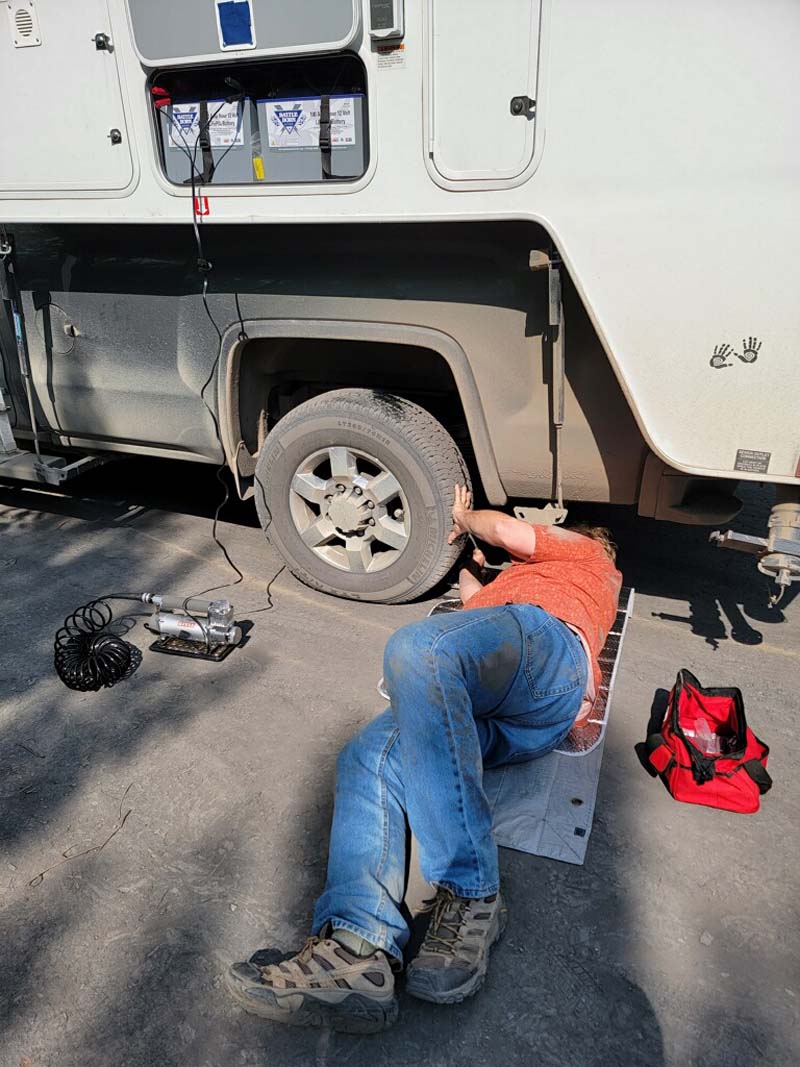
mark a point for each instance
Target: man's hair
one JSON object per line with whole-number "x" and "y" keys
{"x": 600, "y": 534}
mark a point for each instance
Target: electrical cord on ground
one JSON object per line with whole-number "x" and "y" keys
{"x": 205, "y": 266}
{"x": 88, "y": 654}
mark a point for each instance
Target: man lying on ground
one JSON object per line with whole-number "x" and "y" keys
{"x": 502, "y": 681}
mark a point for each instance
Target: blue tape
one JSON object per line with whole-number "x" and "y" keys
{"x": 235, "y": 23}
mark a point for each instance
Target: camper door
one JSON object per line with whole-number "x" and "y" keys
{"x": 482, "y": 66}
{"x": 62, "y": 125}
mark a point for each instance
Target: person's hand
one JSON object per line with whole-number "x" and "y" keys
{"x": 461, "y": 505}
{"x": 479, "y": 558}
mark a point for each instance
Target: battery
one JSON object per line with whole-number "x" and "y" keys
{"x": 232, "y": 149}
{"x": 289, "y": 128}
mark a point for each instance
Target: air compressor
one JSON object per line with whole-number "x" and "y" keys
{"x": 206, "y": 623}
{"x": 90, "y": 652}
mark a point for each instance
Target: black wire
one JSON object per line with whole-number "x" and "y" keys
{"x": 194, "y": 172}
{"x": 242, "y": 330}
{"x": 205, "y": 266}
{"x": 280, "y": 569}
{"x": 239, "y": 124}
{"x": 87, "y": 654}
{"x": 269, "y": 606}
{"x": 219, "y": 474}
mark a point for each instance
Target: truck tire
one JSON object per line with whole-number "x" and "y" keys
{"x": 354, "y": 490}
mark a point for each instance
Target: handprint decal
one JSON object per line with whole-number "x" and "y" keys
{"x": 720, "y": 357}
{"x": 751, "y": 346}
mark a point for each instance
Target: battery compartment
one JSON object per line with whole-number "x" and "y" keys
{"x": 263, "y": 122}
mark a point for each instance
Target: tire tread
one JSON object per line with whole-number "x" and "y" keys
{"x": 422, "y": 431}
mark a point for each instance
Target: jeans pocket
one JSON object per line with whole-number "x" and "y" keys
{"x": 551, "y": 661}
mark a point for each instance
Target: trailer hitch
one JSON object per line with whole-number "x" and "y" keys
{"x": 778, "y": 553}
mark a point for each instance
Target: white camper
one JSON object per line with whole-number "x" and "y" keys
{"x": 360, "y": 249}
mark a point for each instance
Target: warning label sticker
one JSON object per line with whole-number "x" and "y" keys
{"x": 752, "y": 461}
{"x": 224, "y": 127}
{"x": 391, "y": 56}
{"x": 295, "y": 123}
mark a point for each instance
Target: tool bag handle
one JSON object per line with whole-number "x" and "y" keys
{"x": 758, "y": 772}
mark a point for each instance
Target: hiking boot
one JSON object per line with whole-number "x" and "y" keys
{"x": 323, "y": 984}
{"x": 452, "y": 962}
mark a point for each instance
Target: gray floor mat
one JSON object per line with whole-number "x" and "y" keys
{"x": 547, "y": 806}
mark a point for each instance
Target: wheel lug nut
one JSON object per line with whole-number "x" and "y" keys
{"x": 358, "y": 490}
{"x": 370, "y": 522}
{"x": 370, "y": 505}
{"x": 339, "y": 488}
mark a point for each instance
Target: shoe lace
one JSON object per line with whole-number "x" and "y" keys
{"x": 446, "y": 922}
{"x": 303, "y": 956}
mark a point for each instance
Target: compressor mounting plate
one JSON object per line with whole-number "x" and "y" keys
{"x": 175, "y": 646}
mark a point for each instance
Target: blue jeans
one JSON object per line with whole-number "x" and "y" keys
{"x": 471, "y": 689}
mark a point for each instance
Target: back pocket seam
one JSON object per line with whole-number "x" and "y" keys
{"x": 561, "y": 690}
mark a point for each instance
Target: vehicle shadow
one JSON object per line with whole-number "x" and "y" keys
{"x": 726, "y": 596}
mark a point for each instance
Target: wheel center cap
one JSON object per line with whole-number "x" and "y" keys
{"x": 346, "y": 515}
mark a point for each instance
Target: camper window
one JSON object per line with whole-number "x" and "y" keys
{"x": 284, "y": 121}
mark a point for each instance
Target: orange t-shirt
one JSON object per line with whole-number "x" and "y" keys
{"x": 569, "y": 575}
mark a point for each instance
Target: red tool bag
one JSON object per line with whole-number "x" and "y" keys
{"x": 706, "y": 753}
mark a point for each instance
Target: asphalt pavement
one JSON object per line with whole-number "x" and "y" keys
{"x": 677, "y": 943}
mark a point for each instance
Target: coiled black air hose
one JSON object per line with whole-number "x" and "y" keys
{"x": 87, "y": 655}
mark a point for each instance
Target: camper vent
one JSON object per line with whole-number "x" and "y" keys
{"x": 24, "y": 24}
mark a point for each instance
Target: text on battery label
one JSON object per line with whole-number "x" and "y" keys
{"x": 295, "y": 123}
{"x": 224, "y": 125}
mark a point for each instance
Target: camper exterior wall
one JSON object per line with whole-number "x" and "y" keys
{"x": 663, "y": 165}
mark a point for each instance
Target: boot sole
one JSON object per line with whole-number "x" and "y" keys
{"x": 472, "y": 985}
{"x": 355, "y": 1014}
